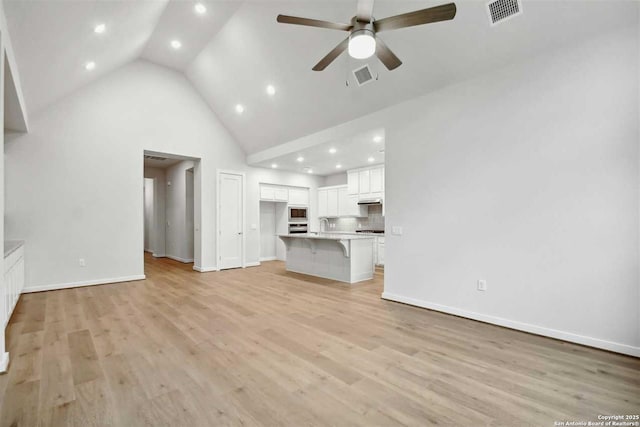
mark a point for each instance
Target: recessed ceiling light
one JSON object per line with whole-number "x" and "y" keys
{"x": 371, "y": 159}
{"x": 99, "y": 29}
{"x": 338, "y": 166}
{"x": 200, "y": 8}
{"x": 176, "y": 44}
{"x": 90, "y": 65}
{"x": 271, "y": 90}
{"x": 332, "y": 150}
{"x": 300, "y": 159}
{"x": 377, "y": 138}
{"x": 274, "y": 166}
{"x": 239, "y": 109}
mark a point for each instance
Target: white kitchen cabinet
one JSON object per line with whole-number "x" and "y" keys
{"x": 335, "y": 202}
{"x": 376, "y": 180}
{"x": 13, "y": 279}
{"x": 332, "y": 202}
{"x": 364, "y": 182}
{"x": 281, "y": 195}
{"x": 274, "y": 193}
{"x": 352, "y": 182}
{"x": 323, "y": 205}
{"x": 267, "y": 193}
{"x": 298, "y": 197}
{"x": 380, "y": 250}
{"x": 352, "y": 208}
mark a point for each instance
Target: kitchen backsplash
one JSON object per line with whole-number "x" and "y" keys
{"x": 375, "y": 221}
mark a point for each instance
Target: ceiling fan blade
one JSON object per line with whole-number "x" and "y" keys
{"x": 386, "y": 56}
{"x": 331, "y": 56}
{"x": 285, "y": 19}
{"x": 444, "y": 12}
{"x": 365, "y": 10}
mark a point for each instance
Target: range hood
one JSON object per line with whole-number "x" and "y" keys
{"x": 377, "y": 201}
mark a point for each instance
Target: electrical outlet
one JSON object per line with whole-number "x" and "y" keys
{"x": 81, "y": 262}
{"x": 482, "y": 285}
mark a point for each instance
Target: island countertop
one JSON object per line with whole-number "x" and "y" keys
{"x": 325, "y": 236}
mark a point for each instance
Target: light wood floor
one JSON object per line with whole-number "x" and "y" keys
{"x": 264, "y": 347}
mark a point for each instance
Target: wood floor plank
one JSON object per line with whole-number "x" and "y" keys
{"x": 261, "y": 346}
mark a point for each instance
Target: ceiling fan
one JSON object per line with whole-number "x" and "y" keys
{"x": 363, "y": 41}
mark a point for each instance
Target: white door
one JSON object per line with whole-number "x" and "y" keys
{"x": 231, "y": 224}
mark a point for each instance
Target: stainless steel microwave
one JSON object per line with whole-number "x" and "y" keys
{"x": 297, "y": 214}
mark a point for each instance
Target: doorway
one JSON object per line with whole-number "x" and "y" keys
{"x": 231, "y": 241}
{"x": 170, "y": 199}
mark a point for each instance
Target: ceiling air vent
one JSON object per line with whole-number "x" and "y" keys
{"x": 363, "y": 75}
{"x": 502, "y": 10}
{"x": 162, "y": 159}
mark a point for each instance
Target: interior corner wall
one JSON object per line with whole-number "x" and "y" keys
{"x": 527, "y": 178}
{"x": 148, "y": 213}
{"x": 3, "y": 300}
{"x": 176, "y": 213}
{"x": 158, "y": 233}
{"x": 74, "y": 181}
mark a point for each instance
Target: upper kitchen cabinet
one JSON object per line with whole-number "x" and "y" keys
{"x": 280, "y": 193}
{"x": 335, "y": 202}
{"x": 366, "y": 183}
{"x": 299, "y": 197}
{"x": 274, "y": 193}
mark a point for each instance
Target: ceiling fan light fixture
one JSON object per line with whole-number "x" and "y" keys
{"x": 362, "y": 44}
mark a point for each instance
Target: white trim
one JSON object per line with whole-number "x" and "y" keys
{"x": 252, "y": 264}
{"x": 4, "y": 362}
{"x": 205, "y": 269}
{"x": 268, "y": 258}
{"x": 159, "y": 255}
{"x": 244, "y": 213}
{"x": 175, "y": 258}
{"x": 512, "y": 324}
{"x": 41, "y": 288}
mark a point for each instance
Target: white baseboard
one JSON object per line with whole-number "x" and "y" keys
{"x": 268, "y": 258}
{"x": 41, "y": 288}
{"x": 159, "y": 255}
{"x": 4, "y": 363}
{"x": 204, "y": 269}
{"x": 512, "y": 324}
{"x": 175, "y": 258}
{"x": 252, "y": 264}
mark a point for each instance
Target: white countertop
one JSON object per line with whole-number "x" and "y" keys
{"x": 326, "y": 236}
{"x": 359, "y": 234}
{"x": 11, "y": 245}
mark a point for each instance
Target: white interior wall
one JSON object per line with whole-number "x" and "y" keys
{"x": 527, "y": 177}
{"x": 335, "y": 179}
{"x": 267, "y": 231}
{"x": 189, "y": 215}
{"x": 157, "y": 235}
{"x": 89, "y": 146}
{"x": 177, "y": 240}
{"x": 148, "y": 213}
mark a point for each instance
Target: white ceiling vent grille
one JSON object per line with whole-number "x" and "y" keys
{"x": 363, "y": 75}
{"x": 162, "y": 159}
{"x": 502, "y": 10}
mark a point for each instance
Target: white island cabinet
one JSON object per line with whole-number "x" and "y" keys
{"x": 341, "y": 257}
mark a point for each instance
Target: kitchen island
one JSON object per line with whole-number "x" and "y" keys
{"x": 342, "y": 257}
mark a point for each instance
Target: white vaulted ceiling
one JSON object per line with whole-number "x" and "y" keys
{"x": 236, "y": 48}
